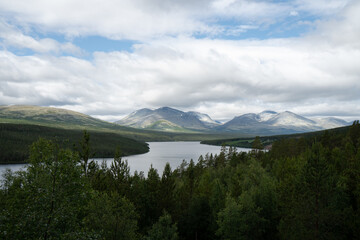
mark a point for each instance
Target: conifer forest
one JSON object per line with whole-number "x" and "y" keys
{"x": 303, "y": 188}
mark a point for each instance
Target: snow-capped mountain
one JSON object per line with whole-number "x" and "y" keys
{"x": 331, "y": 122}
{"x": 270, "y": 122}
{"x": 264, "y": 123}
{"x": 265, "y": 115}
{"x": 206, "y": 119}
{"x": 168, "y": 119}
{"x": 290, "y": 119}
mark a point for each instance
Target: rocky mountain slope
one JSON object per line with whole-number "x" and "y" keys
{"x": 270, "y": 122}
{"x": 168, "y": 119}
{"x": 264, "y": 123}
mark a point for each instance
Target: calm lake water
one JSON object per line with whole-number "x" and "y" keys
{"x": 160, "y": 153}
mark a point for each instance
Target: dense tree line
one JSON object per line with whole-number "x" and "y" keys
{"x": 15, "y": 140}
{"x": 247, "y": 142}
{"x": 300, "y": 189}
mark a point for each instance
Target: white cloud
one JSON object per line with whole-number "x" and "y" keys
{"x": 12, "y": 37}
{"x": 294, "y": 13}
{"x": 148, "y": 19}
{"x": 323, "y": 7}
{"x": 344, "y": 30}
{"x": 223, "y": 78}
{"x": 132, "y": 19}
{"x": 219, "y": 77}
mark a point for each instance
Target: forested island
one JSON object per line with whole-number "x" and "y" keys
{"x": 303, "y": 188}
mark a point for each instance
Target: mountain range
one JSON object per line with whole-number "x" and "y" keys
{"x": 147, "y": 124}
{"x": 264, "y": 123}
{"x": 66, "y": 119}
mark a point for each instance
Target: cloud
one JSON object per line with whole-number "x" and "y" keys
{"x": 12, "y": 37}
{"x": 322, "y": 7}
{"x": 149, "y": 19}
{"x": 220, "y": 77}
{"x": 344, "y": 30}
{"x": 294, "y": 13}
{"x": 189, "y": 74}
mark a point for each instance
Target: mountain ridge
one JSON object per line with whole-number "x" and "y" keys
{"x": 267, "y": 122}
{"x": 170, "y": 120}
{"x": 70, "y": 120}
{"x": 48, "y": 114}
{"x": 180, "y": 121}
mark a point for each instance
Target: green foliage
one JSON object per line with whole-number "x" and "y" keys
{"x": 16, "y": 139}
{"x": 167, "y": 187}
{"x": 163, "y": 229}
{"x": 112, "y": 217}
{"x": 354, "y": 134}
{"x": 318, "y": 202}
{"x": 85, "y": 151}
{"x": 335, "y": 134}
{"x": 120, "y": 174}
{"x": 304, "y": 188}
{"x": 253, "y": 214}
{"x": 237, "y": 221}
{"x": 47, "y": 200}
{"x": 257, "y": 145}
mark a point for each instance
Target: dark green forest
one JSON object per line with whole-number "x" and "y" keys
{"x": 300, "y": 189}
{"x": 246, "y": 142}
{"x": 15, "y": 140}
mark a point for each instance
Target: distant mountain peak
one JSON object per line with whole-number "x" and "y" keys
{"x": 265, "y": 115}
{"x": 143, "y": 109}
{"x": 267, "y": 122}
{"x": 167, "y": 109}
{"x": 168, "y": 119}
{"x": 206, "y": 119}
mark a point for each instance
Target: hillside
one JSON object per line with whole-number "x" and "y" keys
{"x": 267, "y": 141}
{"x": 15, "y": 140}
{"x": 167, "y": 124}
{"x": 70, "y": 120}
{"x": 168, "y": 119}
{"x": 66, "y": 119}
{"x": 49, "y": 115}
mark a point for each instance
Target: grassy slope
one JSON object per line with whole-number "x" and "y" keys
{"x": 16, "y": 138}
{"x": 268, "y": 140}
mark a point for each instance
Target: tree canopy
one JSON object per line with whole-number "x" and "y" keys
{"x": 301, "y": 189}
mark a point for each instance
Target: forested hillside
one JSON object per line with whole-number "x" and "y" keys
{"x": 247, "y": 142}
{"x": 298, "y": 190}
{"x": 15, "y": 140}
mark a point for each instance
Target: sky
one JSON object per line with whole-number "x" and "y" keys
{"x": 225, "y": 58}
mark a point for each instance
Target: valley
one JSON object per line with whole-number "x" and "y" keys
{"x": 22, "y": 125}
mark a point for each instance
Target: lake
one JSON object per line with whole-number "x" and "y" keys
{"x": 160, "y": 153}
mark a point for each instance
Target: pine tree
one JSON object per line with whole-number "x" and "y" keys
{"x": 85, "y": 151}
{"x": 314, "y": 211}
{"x": 257, "y": 145}
{"x": 163, "y": 229}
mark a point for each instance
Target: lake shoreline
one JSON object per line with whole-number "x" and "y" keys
{"x": 159, "y": 154}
